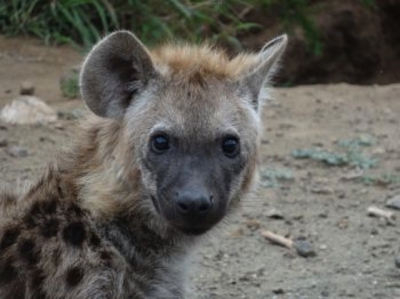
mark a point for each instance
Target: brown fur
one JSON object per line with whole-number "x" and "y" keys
{"x": 102, "y": 222}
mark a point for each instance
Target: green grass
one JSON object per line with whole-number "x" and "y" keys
{"x": 83, "y": 22}
{"x": 381, "y": 180}
{"x": 350, "y": 153}
{"x": 271, "y": 176}
{"x": 69, "y": 84}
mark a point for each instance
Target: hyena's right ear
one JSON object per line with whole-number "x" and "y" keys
{"x": 116, "y": 69}
{"x": 256, "y": 81}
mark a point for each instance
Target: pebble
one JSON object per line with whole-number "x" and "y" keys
{"x": 397, "y": 261}
{"x": 325, "y": 293}
{"x": 3, "y": 142}
{"x": 274, "y": 214}
{"x": 304, "y": 248}
{"x": 27, "y": 88}
{"x": 253, "y": 224}
{"x": 28, "y": 110}
{"x": 323, "y": 190}
{"x": 278, "y": 291}
{"x": 394, "y": 202}
{"x": 17, "y": 151}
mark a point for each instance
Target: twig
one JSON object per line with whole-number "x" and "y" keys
{"x": 377, "y": 212}
{"x": 277, "y": 239}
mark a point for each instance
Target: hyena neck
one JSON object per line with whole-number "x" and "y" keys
{"x": 119, "y": 207}
{"x": 139, "y": 243}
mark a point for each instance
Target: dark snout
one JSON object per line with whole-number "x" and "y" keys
{"x": 192, "y": 207}
{"x": 193, "y": 202}
{"x": 191, "y": 197}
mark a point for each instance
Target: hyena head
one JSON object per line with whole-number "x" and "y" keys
{"x": 191, "y": 118}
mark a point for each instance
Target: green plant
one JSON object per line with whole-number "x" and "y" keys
{"x": 60, "y": 21}
{"x": 353, "y": 154}
{"x": 69, "y": 84}
{"x": 381, "y": 180}
{"x": 83, "y": 22}
{"x": 271, "y": 176}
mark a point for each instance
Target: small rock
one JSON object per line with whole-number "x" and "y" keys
{"x": 237, "y": 233}
{"x": 374, "y": 231}
{"x": 397, "y": 261}
{"x": 46, "y": 139}
{"x": 28, "y": 110}
{"x": 274, "y": 214}
{"x": 394, "y": 202}
{"x": 323, "y": 190}
{"x": 323, "y": 247}
{"x": 325, "y": 293}
{"x": 3, "y": 142}
{"x": 278, "y": 291}
{"x": 343, "y": 223}
{"x": 59, "y": 126}
{"x": 17, "y": 151}
{"x": 253, "y": 224}
{"x": 304, "y": 248}
{"x": 27, "y": 88}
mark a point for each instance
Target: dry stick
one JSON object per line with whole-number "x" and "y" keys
{"x": 277, "y": 239}
{"x": 375, "y": 211}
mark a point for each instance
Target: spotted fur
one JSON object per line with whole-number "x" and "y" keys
{"x": 96, "y": 225}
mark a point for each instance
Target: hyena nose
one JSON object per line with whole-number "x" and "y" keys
{"x": 192, "y": 203}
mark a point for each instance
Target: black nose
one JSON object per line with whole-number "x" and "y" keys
{"x": 193, "y": 202}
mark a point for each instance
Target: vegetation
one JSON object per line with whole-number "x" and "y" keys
{"x": 351, "y": 154}
{"x": 83, "y": 22}
{"x": 270, "y": 176}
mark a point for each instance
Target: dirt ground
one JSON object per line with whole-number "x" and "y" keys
{"x": 324, "y": 204}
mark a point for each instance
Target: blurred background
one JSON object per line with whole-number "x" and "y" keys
{"x": 355, "y": 41}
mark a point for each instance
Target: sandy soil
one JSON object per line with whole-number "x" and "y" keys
{"x": 325, "y": 205}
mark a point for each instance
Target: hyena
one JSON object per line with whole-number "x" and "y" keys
{"x": 170, "y": 149}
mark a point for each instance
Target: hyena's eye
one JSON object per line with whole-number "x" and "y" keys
{"x": 231, "y": 146}
{"x": 160, "y": 143}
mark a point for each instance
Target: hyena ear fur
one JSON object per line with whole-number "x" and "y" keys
{"x": 255, "y": 81}
{"x": 116, "y": 69}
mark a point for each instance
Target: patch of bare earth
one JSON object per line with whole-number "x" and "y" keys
{"x": 325, "y": 205}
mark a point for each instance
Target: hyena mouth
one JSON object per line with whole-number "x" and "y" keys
{"x": 192, "y": 226}
{"x": 194, "y": 231}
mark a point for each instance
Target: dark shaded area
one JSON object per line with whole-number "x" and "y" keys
{"x": 75, "y": 234}
{"x": 74, "y": 276}
{"x": 360, "y": 44}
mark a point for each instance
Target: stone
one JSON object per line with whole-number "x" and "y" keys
{"x": 397, "y": 261}
{"x": 394, "y": 202}
{"x": 274, "y": 214}
{"x": 17, "y": 151}
{"x": 3, "y": 142}
{"x": 304, "y": 248}
{"x": 27, "y": 88}
{"x": 28, "y": 110}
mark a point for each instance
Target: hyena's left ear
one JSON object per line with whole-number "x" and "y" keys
{"x": 116, "y": 69}
{"x": 255, "y": 81}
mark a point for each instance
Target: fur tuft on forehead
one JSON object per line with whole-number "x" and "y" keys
{"x": 184, "y": 61}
